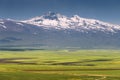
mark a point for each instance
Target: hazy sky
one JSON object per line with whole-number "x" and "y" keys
{"x": 105, "y": 10}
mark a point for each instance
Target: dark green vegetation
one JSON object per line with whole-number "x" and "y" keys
{"x": 60, "y": 65}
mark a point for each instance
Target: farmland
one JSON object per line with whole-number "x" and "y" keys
{"x": 60, "y": 65}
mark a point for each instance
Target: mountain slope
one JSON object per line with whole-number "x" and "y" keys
{"x": 58, "y": 31}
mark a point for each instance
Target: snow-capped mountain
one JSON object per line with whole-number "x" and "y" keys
{"x": 58, "y": 21}
{"x": 54, "y": 30}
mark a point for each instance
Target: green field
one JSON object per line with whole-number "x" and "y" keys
{"x": 60, "y": 65}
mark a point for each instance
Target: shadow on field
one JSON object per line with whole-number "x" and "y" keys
{"x": 75, "y": 63}
{"x": 12, "y": 61}
{"x": 79, "y": 63}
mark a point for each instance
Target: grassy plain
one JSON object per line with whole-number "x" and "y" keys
{"x": 60, "y": 65}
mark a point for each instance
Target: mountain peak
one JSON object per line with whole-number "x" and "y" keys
{"x": 51, "y": 13}
{"x": 52, "y": 16}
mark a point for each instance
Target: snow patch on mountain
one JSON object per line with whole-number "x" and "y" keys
{"x": 2, "y": 24}
{"x": 19, "y": 24}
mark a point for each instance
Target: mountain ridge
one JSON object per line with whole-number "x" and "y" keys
{"x": 47, "y": 31}
{"x": 58, "y": 21}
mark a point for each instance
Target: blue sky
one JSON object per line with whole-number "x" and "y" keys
{"x": 105, "y": 10}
